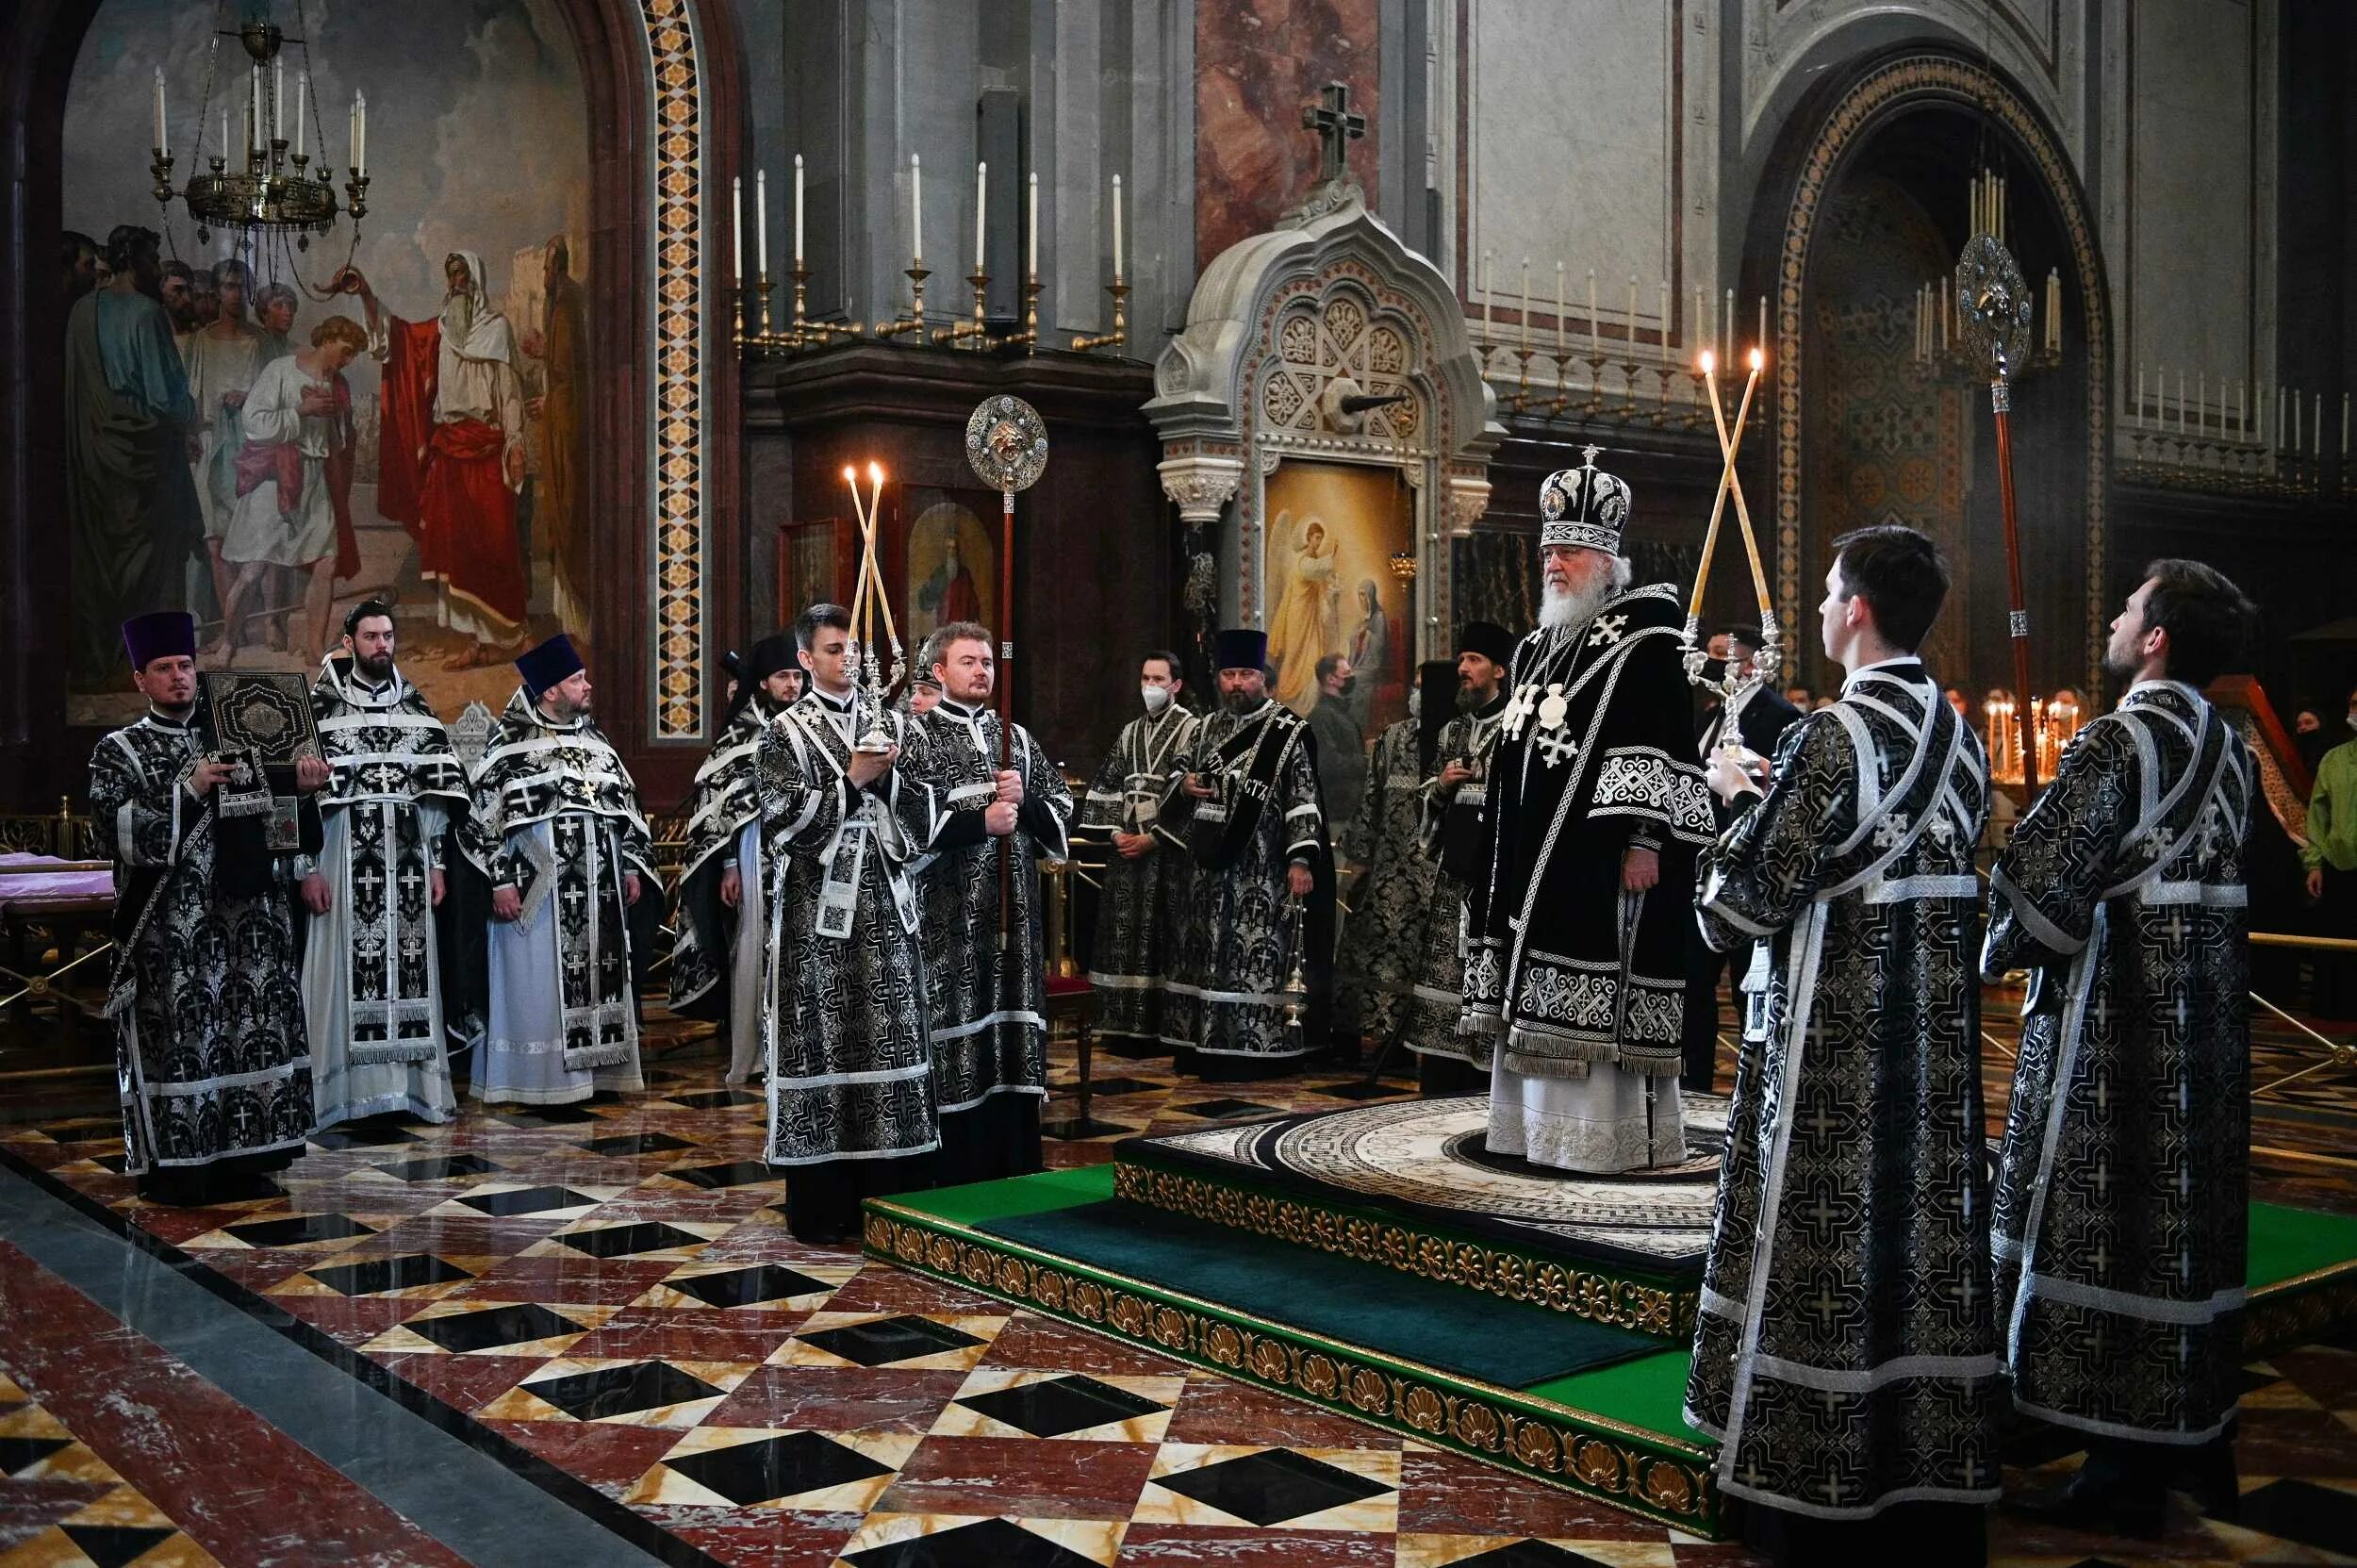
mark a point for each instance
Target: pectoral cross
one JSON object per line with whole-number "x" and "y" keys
{"x": 1558, "y": 747}
{"x": 1890, "y": 830}
{"x": 1338, "y": 125}
{"x": 1607, "y": 631}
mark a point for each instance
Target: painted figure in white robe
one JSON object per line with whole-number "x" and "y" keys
{"x": 371, "y": 970}
{"x": 296, "y": 416}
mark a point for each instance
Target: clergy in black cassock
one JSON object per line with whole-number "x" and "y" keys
{"x": 985, "y": 982}
{"x": 1575, "y": 953}
{"x": 1845, "y": 1351}
{"x": 853, "y": 1108}
{"x": 2121, "y": 1220}
{"x": 1249, "y": 993}
{"x": 1457, "y": 790}
{"x": 1145, "y": 869}
{"x": 1392, "y": 902}
{"x": 210, "y": 1048}
{"x": 724, "y": 888}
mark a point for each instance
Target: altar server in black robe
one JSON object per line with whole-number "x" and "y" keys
{"x": 985, "y": 982}
{"x": 852, "y": 1106}
{"x": 1575, "y": 956}
{"x": 1257, "y": 938}
{"x": 2121, "y": 1222}
{"x": 1456, "y": 791}
{"x": 1845, "y": 1353}
{"x": 211, "y": 1055}
{"x": 1144, "y": 868}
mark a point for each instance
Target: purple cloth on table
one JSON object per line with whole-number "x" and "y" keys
{"x": 50, "y": 887}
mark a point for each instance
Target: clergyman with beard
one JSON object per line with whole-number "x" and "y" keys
{"x": 372, "y": 976}
{"x": 1575, "y": 957}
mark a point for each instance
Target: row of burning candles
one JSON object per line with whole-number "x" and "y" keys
{"x": 2299, "y": 413}
{"x": 2053, "y": 722}
{"x": 266, "y": 119}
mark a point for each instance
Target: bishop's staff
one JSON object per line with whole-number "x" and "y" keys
{"x": 1729, "y": 685}
{"x": 1006, "y": 441}
{"x": 1994, "y": 303}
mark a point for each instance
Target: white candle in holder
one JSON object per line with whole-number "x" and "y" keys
{"x": 1525, "y": 305}
{"x": 736, "y": 227}
{"x": 1558, "y": 315}
{"x": 797, "y": 211}
{"x": 161, "y": 148}
{"x": 302, "y": 97}
{"x": 1116, "y": 228}
{"x": 981, "y": 222}
{"x": 1033, "y": 222}
{"x": 760, "y": 222}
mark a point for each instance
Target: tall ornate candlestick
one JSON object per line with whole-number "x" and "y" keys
{"x": 762, "y": 284}
{"x": 1119, "y": 336}
{"x": 915, "y": 321}
{"x": 1030, "y": 334}
{"x": 979, "y": 328}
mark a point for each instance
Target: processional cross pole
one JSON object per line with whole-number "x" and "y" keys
{"x": 1995, "y": 305}
{"x": 1731, "y": 684}
{"x": 1006, "y": 441}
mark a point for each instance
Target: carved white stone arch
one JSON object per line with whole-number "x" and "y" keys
{"x": 1282, "y": 327}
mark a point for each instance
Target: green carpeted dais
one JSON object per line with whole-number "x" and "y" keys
{"x": 1505, "y": 1344}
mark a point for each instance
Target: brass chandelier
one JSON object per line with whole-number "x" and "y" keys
{"x": 264, "y": 185}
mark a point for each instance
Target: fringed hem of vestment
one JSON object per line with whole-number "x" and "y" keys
{"x": 1473, "y": 1050}
{"x": 1539, "y": 1052}
{"x": 1471, "y": 1024}
{"x": 387, "y": 1054}
{"x": 1650, "y": 1061}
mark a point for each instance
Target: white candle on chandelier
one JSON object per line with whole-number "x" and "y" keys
{"x": 160, "y": 148}
{"x": 360, "y": 156}
{"x": 303, "y": 96}
{"x": 277, "y": 99}
{"x": 1032, "y": 220}
{"x": 798, "y": 212}
{"x": 1116, "y": 228}
{"x": 982, "y": 224}
{"x": 916, "y": 209}
{"x": 736, "y": 225}
{"x": 253, "y": 110}
{"x": 761, "y": 224}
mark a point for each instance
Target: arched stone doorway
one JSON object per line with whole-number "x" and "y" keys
{"x": 664, "y": 93}
{"x": 1874, "y": 185}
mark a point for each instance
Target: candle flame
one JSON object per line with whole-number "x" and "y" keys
{"x": 850, "y": 474}
{"x": 875, "y": 473}
{"x": 1707, "y": 362}
{"x": 1757, "y": 360}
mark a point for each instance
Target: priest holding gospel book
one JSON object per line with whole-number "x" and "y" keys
{"x": 207, "y": 999}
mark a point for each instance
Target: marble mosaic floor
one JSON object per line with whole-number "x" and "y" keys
{"x": 605, "y": 1301}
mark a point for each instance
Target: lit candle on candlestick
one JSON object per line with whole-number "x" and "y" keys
{"x": 737, "y": 226}
{"x": 1525, "y": 305}
{"x": 915, "y": 239}
{"x": 982, "y": 224}
{"x": 760, "y": 222}
{"x": 1116, "y": 228}
{"x": 1033, "y": 222}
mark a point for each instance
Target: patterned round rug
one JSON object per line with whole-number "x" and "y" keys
{"x": 1431, "y": 1152}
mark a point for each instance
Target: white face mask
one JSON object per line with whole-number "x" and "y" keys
{"x": 1415, "y": 703}
{"x": 1157, "y": 698}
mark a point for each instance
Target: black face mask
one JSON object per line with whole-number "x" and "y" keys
{"x": 1714, "y": 669}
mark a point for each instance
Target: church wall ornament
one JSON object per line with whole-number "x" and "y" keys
{"x": 1323, "y": 339}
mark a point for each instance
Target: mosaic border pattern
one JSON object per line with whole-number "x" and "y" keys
{"x": 1646, "y": 1474}
{"x": 674, "y": 62}
{"x": 1449, "y": 1259}
{"x": 1954, "y": 81}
